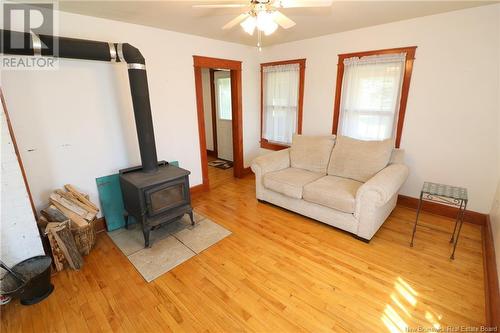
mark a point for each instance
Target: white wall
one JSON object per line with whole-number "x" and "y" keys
{"x": 19, "y": 237}
{"x": 207, "y": 107}
{"x": 76, "y": 123}
{"x": 451, "y": 127}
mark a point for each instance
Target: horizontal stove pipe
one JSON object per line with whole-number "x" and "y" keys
{"x": 63, "y": 47}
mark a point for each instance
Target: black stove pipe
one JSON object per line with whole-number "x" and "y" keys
{"x": 62, "y": 47}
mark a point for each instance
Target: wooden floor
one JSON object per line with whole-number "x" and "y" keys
{"x": 277, "y": 272}
{"x": 218, "y": 177}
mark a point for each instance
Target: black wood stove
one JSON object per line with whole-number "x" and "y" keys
{"x": 154, "y": 193}
{"x": 155, "y": 198}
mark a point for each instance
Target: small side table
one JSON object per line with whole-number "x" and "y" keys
{"x": 448, "y": 195}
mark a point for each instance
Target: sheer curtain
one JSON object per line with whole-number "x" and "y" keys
{"x": 281, "y": 98}
{"x": 371, "y": 92}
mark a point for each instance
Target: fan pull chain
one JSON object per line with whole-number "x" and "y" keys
{"x": 259, "y": 40}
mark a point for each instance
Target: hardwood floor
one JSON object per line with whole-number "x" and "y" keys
{"x": 218, "y": 177}
{"x": 277, "y": 272}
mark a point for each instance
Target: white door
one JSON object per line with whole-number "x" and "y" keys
{"x": 224, "y": 115}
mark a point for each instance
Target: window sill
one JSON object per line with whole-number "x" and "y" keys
{"x": 272, "y": 146}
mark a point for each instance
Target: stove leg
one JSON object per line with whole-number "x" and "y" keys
{"x": 191, "y": 217}
{"x": 146, "y": 231}
{"x": 126, "y": 217}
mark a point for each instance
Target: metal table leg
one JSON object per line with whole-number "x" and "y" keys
{"x": 456, "y": 221}
{"x": 416, "y": 219}
{"x": 459, "y": 228}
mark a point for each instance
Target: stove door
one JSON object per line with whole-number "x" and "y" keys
{"x": 160, "y": 199}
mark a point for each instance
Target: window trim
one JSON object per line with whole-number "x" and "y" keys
{"x": 410, "y": 57}
{"x": 264, "y": 143}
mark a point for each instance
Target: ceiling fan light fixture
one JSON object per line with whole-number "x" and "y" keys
{"x": 270, "y": 28}
{"x": 265, "y": 22}
{"x": 265, "y": 15}
{"x": 249, "y": 25}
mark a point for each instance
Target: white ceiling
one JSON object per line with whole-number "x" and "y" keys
{"x": 311, "y": 22}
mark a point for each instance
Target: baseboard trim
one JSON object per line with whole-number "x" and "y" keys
{"x": 247, "y": 171}
{"x": 443, "y": 210}
{"x": 212, "y": 153}
{"x": 491, "y": 288}
{"x": 197, "y": 189}
{"x": 100, "y": 224}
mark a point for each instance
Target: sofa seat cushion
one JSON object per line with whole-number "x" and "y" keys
{"x": 333, "y": 192}
{"x": 290, "y": 181}
{"x": 311, "y": 152}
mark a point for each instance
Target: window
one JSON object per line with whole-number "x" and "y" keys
{"x": 371, "y": 95}
{"x": 282, "y": 95}
{"x": 224, "y": 98}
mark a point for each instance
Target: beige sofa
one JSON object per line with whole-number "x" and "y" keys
{"x": 349, "y": 184}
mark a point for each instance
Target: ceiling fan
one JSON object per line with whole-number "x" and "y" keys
{"x": 264, "y": 15}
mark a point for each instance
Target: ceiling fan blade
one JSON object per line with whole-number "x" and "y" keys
{"x": 283, "y": 20}
{"x": 221, "y": 5}
{"x": 302, "y": 3}
{"x": 235, "y": 21}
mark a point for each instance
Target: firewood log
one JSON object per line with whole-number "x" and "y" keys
{"x": 75, "y": 218}
{"x": 80, "y": 196}
{"x": 52, "y": 214}
{"x": 42, "y": 223}
{"x": 71, "y": 198}
{"x": 67, "y": 244}
{"x": 55, "y": 197}
{"x": 57, "y": 254}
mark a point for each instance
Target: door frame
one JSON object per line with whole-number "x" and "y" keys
{"x": 234, "y": 66}
{"x": 213, "y": 106}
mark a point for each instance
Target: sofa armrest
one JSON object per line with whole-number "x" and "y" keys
{"x": 384, "y": 185}
{"x": 274, "y": 161}
{"x": 376, "y": 199}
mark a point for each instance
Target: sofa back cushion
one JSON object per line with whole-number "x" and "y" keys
{"x": 311, "y": 152}
{"x": 397, "y": 156}
{"x": 359, "y": 160}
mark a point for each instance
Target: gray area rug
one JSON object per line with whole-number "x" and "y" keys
{"x": 172, "y": 244}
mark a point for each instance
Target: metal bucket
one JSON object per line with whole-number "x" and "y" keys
{"x": 35, "y": 285}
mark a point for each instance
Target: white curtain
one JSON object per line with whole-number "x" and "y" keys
{"x": 371, "y": 91}
{"x": 281, "y": 99}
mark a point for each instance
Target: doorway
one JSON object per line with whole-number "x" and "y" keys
{"x": 218, "y": 124}
{"x": 218, "y": 119}
{"x": 218, "y": 100}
